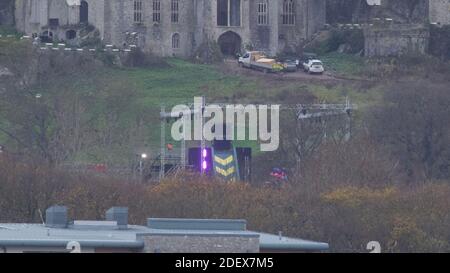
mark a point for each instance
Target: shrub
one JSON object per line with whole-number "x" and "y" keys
{"x": 402, "y": 219}
{"x": 353, "y": 38}
{"x": 208, "y": 53}
{"x": 138, "y": 58}
{"x": 412, "y": 124}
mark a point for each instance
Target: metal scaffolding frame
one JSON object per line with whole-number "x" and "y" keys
{"x": 303, "y": 112}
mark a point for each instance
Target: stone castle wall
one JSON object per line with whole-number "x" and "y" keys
{"x": 7, "y": 12}
{"x": 395, "y": 39}
{"x": 197, "y": 23}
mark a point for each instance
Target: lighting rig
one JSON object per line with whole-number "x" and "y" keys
{"x": 223, "y": 160}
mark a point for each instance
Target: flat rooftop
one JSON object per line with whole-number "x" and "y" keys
{"x": 115, "y": 233}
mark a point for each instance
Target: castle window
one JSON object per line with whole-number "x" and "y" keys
{"x": 288, "y": 12}
{"x": 138, "y": 18}
{"x": 71, "y": 34}
{"x": 176, "y": 41}
{"x": 84, "y": 12}
{"x": 229, "y": 13}
{"x": 174, "y": 10}
{"x": 156, "y": 11}
{"x": 262, "y": 13}
{"x": 53, "y": 22}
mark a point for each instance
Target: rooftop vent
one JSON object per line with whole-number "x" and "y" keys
{"x": 56, "y": 217}
{"x": 197, "y": 224}
{"x": 118, "y": 214}
{"x": 94, "y": 225}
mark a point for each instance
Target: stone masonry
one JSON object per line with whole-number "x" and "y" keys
{"x": 178, "y": 27}
{"x": 395, "y": 39}
{"x": 440, "y": 12}
{"x": 199, "y": 244}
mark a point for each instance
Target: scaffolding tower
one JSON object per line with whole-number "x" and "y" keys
{"x": 303, "y": 112}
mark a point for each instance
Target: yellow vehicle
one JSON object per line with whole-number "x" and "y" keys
{"x": 258, "y": 61}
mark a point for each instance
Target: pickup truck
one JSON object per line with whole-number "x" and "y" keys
{"x": 258, "y": 61}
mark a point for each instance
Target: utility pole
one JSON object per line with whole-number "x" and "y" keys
{"x": 202, "y": 141}
{"x": 349, "y": 111}
{"x": 183, "y": 145}
{"x": 163, "y": 144}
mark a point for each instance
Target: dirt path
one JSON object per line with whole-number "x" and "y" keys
{"x": 230, "y": 66}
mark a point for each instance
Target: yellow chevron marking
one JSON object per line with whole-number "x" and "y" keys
{"x": 225, "y": 161}
{"x": 225, "y": 173}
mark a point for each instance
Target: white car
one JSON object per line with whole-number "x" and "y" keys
{"x": 314, "y": 66}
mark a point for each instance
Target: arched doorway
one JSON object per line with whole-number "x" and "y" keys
{"x": 84, "y": 12}
{"x": 230, "y": 43}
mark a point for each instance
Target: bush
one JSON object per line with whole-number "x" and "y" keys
{"x": 90, "y": 37}
{"x": 416, "y": 65}
{"x": 208, "y": 53}
{"x": 412, "y": 124}
{"x": 402, "y": 219}
{"x": 137, "y": 58}
{"x": 353, "y": 38}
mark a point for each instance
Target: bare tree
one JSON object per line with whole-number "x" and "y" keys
{"x": 300, "y": 138}
{"x": 413, "y": 123}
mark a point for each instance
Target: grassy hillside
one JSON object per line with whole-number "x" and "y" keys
{"x": 182, "y": 81}
{"x": 146, "y": 90}
{"x": 118, "y": 108}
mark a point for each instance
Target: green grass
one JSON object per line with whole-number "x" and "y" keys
{"x": 179, "y": 83}
{"x": 344, "y": 64}
{"x": 338, "y": 94}
{"x": 8, "y": 30}
{"x": 148, "y": 89}
{"x": 137, "y": 92}
{"x": 182, "y": 81}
